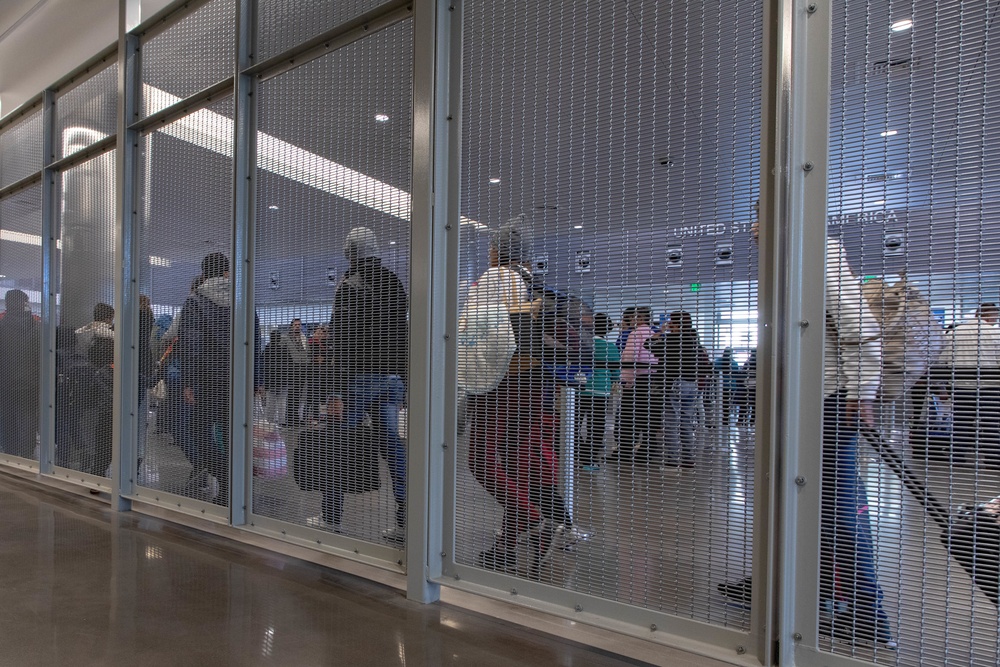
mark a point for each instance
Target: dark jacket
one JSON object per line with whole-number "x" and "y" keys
{"x": 679, "y": 355}
{"x": 204, "y": 338}
{"x": 369, "y": 332}
{"x": 20, "y": 338}
{"x": 277, "y": 364}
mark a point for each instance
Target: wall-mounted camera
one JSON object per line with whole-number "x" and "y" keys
{"x": 894, "y": 243}
{"x": 540, "y": 265}
{"x": 724, "y": 254}
{"x": 675, "y": 258}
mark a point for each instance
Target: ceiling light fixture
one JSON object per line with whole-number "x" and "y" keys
{"x": 888, "y": 133}
{"x": 494, "y": 180}
{"x": 381, "y": 118}
{"x": 214, "y": 132}
{"x": 901, "y": 25}
{"x": 392, "y": 243}
{"x": 577, "y": 226}
{"x": 272, "y": 207}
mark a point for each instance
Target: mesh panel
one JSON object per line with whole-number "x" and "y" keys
{"x": 912, "y": 134}
{"x": 186, "y": 227}
{"x": 20, "y": 326}
{"x": 333, "y": 184}
{"x": 85, "y": 337}
{"x": 86, "y": 113}
{"x": 612, "y": 150}
{"x": 189, "y": 56}
{"x": 21, "y": 149}
{"x": 283, "y": 24}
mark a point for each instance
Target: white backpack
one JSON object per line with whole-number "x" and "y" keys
{"x": 912, "y": 337}
{"x": 486, "y": 337}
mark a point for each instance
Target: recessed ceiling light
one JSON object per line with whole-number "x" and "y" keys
{"x": 494, "y": 180}
{"x": 272, "y": 207}
{"x": 392, "y": 243}
{"x": 888, "y": 133}
{"x": 901, "y": 25}
{"x": 880, "y": 202}
{"x": 577, "y": 226}
{"x": 381, "y": 117}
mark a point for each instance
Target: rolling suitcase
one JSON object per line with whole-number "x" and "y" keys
{"x": 971, "y": 534}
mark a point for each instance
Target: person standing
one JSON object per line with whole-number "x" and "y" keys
{"x": 369, "y": 334}
{"x": 595, "y": 395}
{"x": 639, "y": 416}
{"x": 297, "y": 352}
{"x": 728, "y": 370}
{"x": 20, "y": 338}
{"x": 204, "y": 348}
{"x": 679, "y": 353}
{"x": 852, "y": 372}
{"x": 974, "y": 357}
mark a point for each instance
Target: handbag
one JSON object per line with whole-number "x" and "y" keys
{"x": 270, "y": 457}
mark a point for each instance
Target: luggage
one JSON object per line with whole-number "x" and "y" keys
{"x": 338, "y": 458}
{"x": 971, "y": 535}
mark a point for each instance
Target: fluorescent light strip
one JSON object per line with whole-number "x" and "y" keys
{"x": 213, "y": 131}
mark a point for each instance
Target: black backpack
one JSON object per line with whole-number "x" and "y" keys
{"x": 559, "y": 331}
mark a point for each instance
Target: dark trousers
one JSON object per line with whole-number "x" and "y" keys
{"x": 210, "y": 435}
{"x": 19, "y": 424}
{"x": 641, "y": 415}
{"x": 593, "y": 411}
{"x": 977, "y": 423}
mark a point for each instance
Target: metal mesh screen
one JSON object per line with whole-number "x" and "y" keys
{"x": 608, "y": 315}
{"x": 85, "y": 346}
{"x": 332, "y": 267}
{"x": 20, "y": 326}
{"x": 21, "y": 149}
{"x": 86, "y": 113}
{"x": 284, "y": 23}
{"x": 191, "y": 55}
{"x": 186, "y": 237}
{"x": 911, "y": 294}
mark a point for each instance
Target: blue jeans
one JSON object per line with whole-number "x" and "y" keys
{"x": 380, "y": 397}
{"x": 847, "y": 555}
{"x": 679, "y": 420}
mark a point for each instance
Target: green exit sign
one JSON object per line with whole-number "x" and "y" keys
{"x": 695, "y": 287}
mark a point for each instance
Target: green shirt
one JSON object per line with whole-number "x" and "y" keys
{"x": 605, "y": 354}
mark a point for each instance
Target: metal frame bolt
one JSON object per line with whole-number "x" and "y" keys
{"x": 811, "y": 9}
{"x": 807, "y": 167}
{"x": 800, "y": 481}
{"x": 797, "y": 636}
{"x": 740, "y": 650}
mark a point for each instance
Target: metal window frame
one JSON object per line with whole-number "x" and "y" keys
{"x": 49, "y": 232}
{"x": 794, "y": 238}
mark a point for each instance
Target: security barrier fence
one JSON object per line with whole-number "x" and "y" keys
{"x": 671, "y": 318}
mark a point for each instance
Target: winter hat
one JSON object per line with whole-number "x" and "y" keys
{"x": 510, "y": 241}
{"x": 214, "y": 265}
{"x": 360, "y": 243}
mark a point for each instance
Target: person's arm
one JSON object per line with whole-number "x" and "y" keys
{"x": 858, "y": 336}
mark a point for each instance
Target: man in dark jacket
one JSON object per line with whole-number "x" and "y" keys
{"x": 20, "y": 335}
{"x": 369, "y": 335}
{"x": 204, "y": 349}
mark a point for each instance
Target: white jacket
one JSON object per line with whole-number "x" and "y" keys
{"x": 86, "y": 334}
{"x": 973, "y": 344}
{"x": 853, "y": 345}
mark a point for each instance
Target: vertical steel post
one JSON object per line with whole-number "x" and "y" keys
{"x": 50, "y": 232}
{"x": 793, "y": 242}
{"x": 437, "y": 27}
{"x": 567, "y": 442}
{"x": 244, "y": 342}
{"x": 126, "y": 376}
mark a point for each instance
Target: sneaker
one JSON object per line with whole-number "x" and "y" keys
{"x": 737, "y": 591}
{"x": 395, "y": 535}
{"x": 540, "y": 548}
{"x": 498, "y": 560}
{"x": 210, "y": 488}
{"x": 565, "y": 537}
{"x": 318, "y": 523}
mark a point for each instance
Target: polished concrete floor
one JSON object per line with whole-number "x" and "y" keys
{"x": 84, "y": 586}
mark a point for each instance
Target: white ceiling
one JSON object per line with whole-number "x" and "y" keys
{"x": 43, "y": 40}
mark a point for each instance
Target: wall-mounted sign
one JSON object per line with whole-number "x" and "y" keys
{"x": 583, "y": 261}
{"x": 275, "y": 278}
{"x": 331, "y": 275}
{"x": 540, "y": 266}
